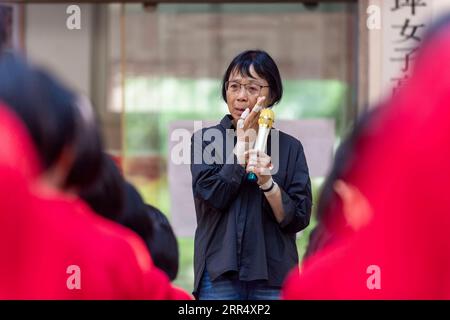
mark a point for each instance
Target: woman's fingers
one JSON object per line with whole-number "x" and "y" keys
{"x": 245, "y": 113}
{"x": 264, "y": 163}
{"x": 241, "y": 121}
{"x": 250, "y": 121}
{"x": 246, "y": 158}
{"x": 258, "y": 106}
{"x": 260, "y": 171}
{"x": 258, "y": 162}
{"x": 263, "y": 171}
{"x": 253, "y": 117}
{"x": 259, "y": 154}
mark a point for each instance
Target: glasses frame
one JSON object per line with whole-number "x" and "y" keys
{"x": 245, "y": 86}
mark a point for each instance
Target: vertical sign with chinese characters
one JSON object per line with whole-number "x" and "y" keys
{"x": 405, "y": 23}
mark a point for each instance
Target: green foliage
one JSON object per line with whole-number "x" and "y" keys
{"x": 185, "y": 277}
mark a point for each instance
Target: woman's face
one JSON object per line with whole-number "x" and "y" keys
{"x": 242, "y": 92}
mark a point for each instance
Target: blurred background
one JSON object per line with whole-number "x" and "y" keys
{"x": 147, "y": 66}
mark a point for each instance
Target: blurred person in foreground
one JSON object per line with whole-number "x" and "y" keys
{"x": 114, "y": 198}
{"x": 53, "y": 246}
{"x": 341, "y": 208}
{"x": 403, "y": 172}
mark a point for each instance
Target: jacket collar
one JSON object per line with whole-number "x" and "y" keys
{"x": 227, "y": 122}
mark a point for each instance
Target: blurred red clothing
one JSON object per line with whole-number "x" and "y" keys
{"x": 43, "y": 233}
{"x": 17, "y": 150}
{"x": 403, "y": 168}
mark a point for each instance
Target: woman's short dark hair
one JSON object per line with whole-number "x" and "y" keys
{"x": 264, "y": 66}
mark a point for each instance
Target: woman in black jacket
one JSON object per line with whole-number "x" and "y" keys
{"x": 246, "y": 231}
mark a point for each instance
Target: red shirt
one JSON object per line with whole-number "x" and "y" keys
{"x": 53, "y": 247}
{"x": 403, "y": 169}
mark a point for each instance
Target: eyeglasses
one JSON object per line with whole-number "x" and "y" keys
{"x": 251, "y": 88}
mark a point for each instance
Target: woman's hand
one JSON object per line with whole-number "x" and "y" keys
{"x": 259, "y": 163}
{"x": 247, "y": 130}
{"x": 247, "y": 125}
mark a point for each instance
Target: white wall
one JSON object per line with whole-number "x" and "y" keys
{"x": 379, "y": 44}
{"x": 440, "y": 8}
{"x": 48, "y": 42}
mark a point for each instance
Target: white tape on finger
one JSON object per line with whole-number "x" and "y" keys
{"x": 257, "y": 108}
{"x": 245, "y": 113}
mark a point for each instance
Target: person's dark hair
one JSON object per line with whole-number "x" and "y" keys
{"x": 88, "y": 152}
{"x": 134, "y": 216}
{"x": 154, "y": 228}
{"x": 88, "y": 159}
{"x": 264, "y": 66}
{"x": 106, "y": 195}
{"x": 44, "y": 105}
{"x": 163, "y": 244}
